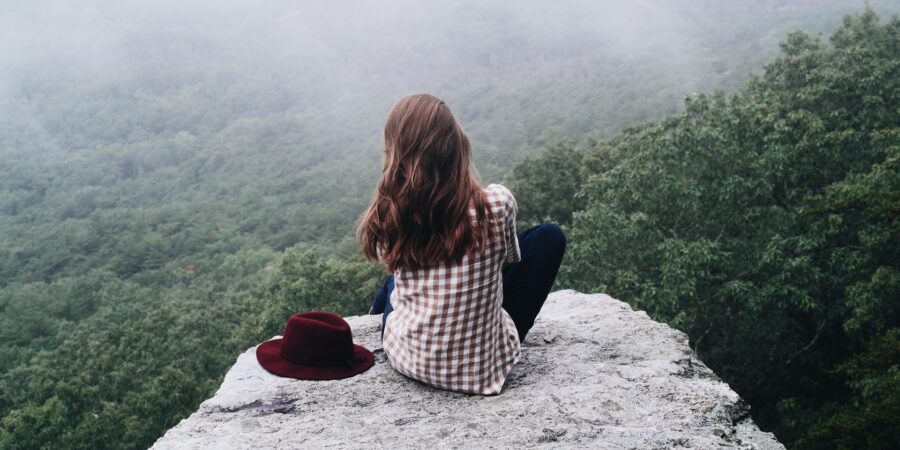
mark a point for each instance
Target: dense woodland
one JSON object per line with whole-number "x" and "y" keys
{"x": 167, "y": 200}
{"x": 766, "y": 225}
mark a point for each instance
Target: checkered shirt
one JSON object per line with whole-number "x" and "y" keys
{"x": 447, "y": 328}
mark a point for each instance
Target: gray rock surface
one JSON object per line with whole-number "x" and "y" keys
{"x": 593, "y": 374}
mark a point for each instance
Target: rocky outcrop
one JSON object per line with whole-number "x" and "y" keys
{"x": 593, "y": 373}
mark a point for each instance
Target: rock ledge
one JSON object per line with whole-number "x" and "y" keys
{"x": 594, "y": 373}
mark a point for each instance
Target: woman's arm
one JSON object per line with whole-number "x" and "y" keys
{"x": 510, "y": 208}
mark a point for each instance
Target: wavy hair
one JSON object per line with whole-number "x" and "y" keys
{"x": 419, "y": 215}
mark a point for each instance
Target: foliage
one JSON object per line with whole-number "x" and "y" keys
{"x": 546, "y": 186}
{"x": 145, "y": 358}
{"x": 305, "y": 280}
{"x": 766, "y": 224}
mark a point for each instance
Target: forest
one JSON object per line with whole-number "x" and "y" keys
{"x": 175, "y": 181}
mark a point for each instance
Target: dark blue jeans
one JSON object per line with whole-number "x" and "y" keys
{"x": 526, "y": 283}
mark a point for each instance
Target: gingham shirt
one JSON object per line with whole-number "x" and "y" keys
{"x": 447, "y": 328}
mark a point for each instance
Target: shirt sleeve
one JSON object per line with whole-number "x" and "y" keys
{"x": 509, "y": 229}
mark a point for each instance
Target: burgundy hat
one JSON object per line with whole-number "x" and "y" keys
{"x": 316, "y": 345}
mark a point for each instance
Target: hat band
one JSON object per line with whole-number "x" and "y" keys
{"x": 346, "y": 362}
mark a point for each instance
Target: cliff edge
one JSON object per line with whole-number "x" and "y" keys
{"x": 593, "y": 373}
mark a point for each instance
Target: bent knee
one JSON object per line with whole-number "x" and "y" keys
{"x": 553, "y": 233}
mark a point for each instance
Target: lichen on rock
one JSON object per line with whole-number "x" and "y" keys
{"x": 593, "y": 374}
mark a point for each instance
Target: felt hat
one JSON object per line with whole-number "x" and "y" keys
{"x": 316, "y": 345}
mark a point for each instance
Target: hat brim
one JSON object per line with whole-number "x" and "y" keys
{"x": 269, "y": 356}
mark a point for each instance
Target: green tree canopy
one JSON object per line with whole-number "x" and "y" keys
{"x": 766, "y": 225}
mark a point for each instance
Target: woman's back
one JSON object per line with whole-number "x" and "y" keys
{"x": 451, "y": 245}
{"x": 447, "y": 327}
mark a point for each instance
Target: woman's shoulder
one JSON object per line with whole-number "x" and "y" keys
{"x": 499, "y": 192}
{"x": 499, "y": 196}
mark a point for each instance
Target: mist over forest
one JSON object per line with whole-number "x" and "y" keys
{"x": 116, "y": 95}
{"x": 178, "y": 177}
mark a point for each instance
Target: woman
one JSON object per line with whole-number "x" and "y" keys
{"x": 464, "y": 289}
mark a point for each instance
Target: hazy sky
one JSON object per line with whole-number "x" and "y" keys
{"x": 330, "y": 62}
{"x": 376, "y": 38}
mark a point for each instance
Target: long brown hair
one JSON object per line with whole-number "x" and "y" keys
{"x": 419, "y": 214}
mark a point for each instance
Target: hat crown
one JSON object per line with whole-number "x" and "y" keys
{"x": 317, "y": 339}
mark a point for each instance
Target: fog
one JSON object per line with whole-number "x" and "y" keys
{"x": 345, "y": 63}
{"x": 107, "y": 104}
